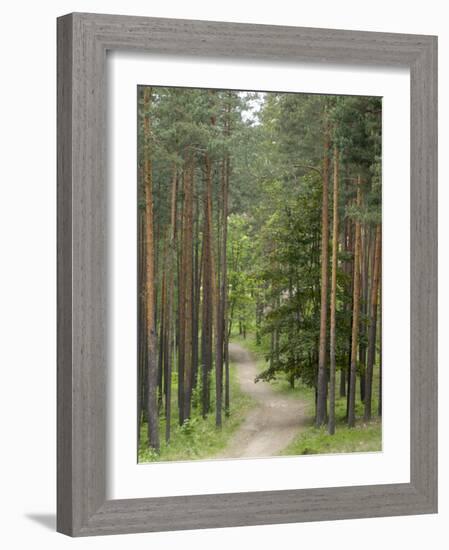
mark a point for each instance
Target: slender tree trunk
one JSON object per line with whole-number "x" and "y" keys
{"x": 157, "y": 282}
{"x": 207, "y": 305}
{"x": 162, "y": 335}
{"x": 221, "y": 254}
{"x": 196, "y": 294}
{"x": 142, "y": 403}
{"x": 231, "y": 318}
{"x": 187, "y": 251}
{"x": 321, "y": 405}
{"x": 205, "y": 326}
{"x": 219, "y": 363}
{"x": 350, "y": 268}
{"x": 331, "y": 426}
{"x": 224, "y": 279}
{"x": 373, "y": 324}
{"x": 259, "y": 311}
{"x": 355, "y": 316}
{"x": 346, "y": 269}
{"x": 170, "y": 319}
{"x": 292, "y": 359}
{"x": 153, "y": 416}
{"x": 181, "y": 307}
{"x": 342, "y": 382}
{"x": 366, "y": 253}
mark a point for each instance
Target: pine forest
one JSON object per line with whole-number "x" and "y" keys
{"x": 259, "y": 274}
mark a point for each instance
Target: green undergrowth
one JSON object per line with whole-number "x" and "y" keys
{"x": 197, "y": 438}
{"x": 364, "y": 437}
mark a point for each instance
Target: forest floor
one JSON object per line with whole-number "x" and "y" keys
{"x": 266, "y": 419}
{"x": 273, "y": 423}
{"x": 198, "y": 438}
{"x": 364, "y": 437}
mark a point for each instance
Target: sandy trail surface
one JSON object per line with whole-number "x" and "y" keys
{"x": 275, "y": 420}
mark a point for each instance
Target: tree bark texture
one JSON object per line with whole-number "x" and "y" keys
{"x": 373, "y": 323}
{"x": 331, "y": 426}
{"x": 321, "y": 411}
{"x": 152, "y": 407}
{"x": 355, "y": 315}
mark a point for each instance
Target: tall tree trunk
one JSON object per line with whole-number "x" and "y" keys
{"x": 366, "y": 253}
{"x": 347, "y": 308}
{"x": 142, "y": 399}
{"x": 321, "y": 404}
{"x": 205, "y": 325}
{"x": 207, "y": 305}
{"x": 187, "y": 252}
{"x": 224, "y": 278}
{"x": 350, "y": 268}
{"x": 197, "y": 263}
{"x": 153, "y": 416}
{"x": 170, "y": 318}
{"x": 221, "y": 256}
{"x": 162, "y": 334}
{"x": 355, "y": 315}
{"x": 219, "y": 362}
{"x": 373, "y": 323}
{"x": 331, "y": 426}
{"x": 181, "y": 308}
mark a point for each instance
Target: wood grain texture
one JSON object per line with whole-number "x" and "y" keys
{"x": 83, "y": 40}
{"x": 64, "y": 277}
{"x": 423, "y": 275}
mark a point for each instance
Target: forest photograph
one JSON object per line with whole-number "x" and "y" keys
{"x": 259, "y": 241}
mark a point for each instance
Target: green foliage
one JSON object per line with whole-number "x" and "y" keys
{"x": 275, "y": 146}
{"x": 278, "y": 280}
{"x": 365, "y": 437}
{"x": 197, "y": 437}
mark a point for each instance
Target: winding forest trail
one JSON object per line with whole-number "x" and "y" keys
{"x": 275, "y": 420}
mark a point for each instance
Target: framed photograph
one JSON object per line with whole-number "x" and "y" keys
{"x": 247, "y": 274}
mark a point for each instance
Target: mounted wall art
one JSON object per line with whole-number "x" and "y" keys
{"x": 246, "y": 274}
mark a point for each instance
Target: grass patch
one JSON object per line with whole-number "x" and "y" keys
{"x": 198, "y": 438}
{"x": 364, "y": 437}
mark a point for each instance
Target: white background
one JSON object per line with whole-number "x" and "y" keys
{"x": 130, "y": 480}
{"x": 27, "y": 286}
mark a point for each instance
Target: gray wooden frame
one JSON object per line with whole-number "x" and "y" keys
{"x": 83, "y": 40}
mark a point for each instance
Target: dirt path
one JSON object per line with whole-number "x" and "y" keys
{"x": 272, "y": 424}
